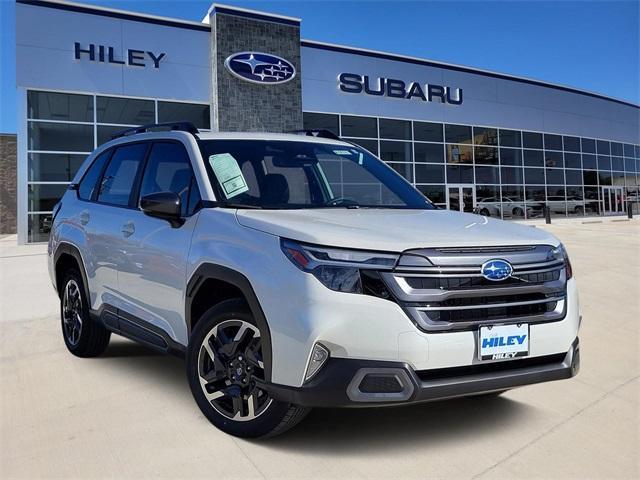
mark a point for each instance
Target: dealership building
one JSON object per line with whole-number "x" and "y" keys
{"x": 469, "y": 139}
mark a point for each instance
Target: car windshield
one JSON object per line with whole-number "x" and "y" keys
{"x": 291, "y": 175}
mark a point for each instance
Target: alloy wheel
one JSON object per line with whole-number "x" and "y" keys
{"x": 72, "y": 312}
{"x": 229, "y": 363}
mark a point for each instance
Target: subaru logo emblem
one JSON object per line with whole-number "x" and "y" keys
{"x": 496, "y": 270}
{"x": 259, "y": 67}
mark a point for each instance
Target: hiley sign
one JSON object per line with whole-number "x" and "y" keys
{"x": 106, "y": 54}
{"x": 394, "y": 88}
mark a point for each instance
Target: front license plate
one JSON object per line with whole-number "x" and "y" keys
{"x": 501, "y": 342}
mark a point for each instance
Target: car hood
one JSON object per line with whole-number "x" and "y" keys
{"x": 391, "y": 230}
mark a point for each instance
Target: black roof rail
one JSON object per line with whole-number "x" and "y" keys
{"x": 177, "y": 126}
{"x": 320, "y": 133}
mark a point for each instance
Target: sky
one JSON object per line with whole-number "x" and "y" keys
{"x": 590, "y": 45}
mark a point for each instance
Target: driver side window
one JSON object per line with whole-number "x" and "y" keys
{"x": 169, "y": 170}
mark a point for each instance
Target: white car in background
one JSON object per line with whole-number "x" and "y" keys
{"x": 492, "y": 207}
{"x": 574, "y": 205}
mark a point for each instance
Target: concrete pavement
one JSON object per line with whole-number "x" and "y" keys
{"x": 130, "y": 413}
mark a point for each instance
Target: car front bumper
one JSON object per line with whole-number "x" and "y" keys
{"x": 344, "y": 382}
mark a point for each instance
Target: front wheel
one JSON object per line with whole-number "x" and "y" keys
{"x": 224, "y": 365}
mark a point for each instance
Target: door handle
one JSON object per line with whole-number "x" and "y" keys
{"x": 128, "y": 229}
{"x": 84, "y": 217}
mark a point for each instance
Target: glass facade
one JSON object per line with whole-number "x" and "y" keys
{"x": 504, "y": 173}
{"x": 63, "y": 128}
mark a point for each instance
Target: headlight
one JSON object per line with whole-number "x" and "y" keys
{"x": 336, "y": 268}
{"x": 560, "y": 253}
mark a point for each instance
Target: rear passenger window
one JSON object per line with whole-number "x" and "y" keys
{"x": 120, "y": 175}
{"x": 169, "y": 170}
{"x": 88, "y": 183}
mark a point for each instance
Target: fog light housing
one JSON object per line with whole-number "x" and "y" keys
{"x": 319, "y": 356}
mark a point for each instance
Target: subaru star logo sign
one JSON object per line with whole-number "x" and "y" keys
{"x": 260, "y": 67}
{"x": 496, "y": 270}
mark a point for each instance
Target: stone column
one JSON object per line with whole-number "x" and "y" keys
{"x": 8, "y": 183}
{"x": 239, "y": 105}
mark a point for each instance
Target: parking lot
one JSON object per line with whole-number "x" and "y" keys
{"x": 130, "y": 413}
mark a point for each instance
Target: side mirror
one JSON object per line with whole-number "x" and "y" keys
{"x": 165, "y": 205}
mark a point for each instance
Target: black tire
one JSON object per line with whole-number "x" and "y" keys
{"x": 518, "y": 212}
{"x": 485, "y": 212}
{"x": 91, "y": 338}
{"x": 275, "y": 417}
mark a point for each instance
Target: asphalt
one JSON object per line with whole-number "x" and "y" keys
{"x": 129, "y": 413}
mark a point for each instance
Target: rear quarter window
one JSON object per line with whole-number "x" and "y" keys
{"x": 88, "y": 183}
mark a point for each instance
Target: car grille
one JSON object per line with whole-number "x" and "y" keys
{"x": 457, "y": 283}
{"x": 443, "y": 289}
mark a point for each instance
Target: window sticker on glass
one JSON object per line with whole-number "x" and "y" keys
{"x": 342, "y": 152}
{"x": 228, "y": 173}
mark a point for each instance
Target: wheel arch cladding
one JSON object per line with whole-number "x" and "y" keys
{"x": 68, "y": 256}
{"x": 211, "y": 284}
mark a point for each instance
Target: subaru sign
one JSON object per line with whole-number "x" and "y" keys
{"x": 496, "y": 270}
{"x": 395, "y": 88}
{"x": 257, "y": 67}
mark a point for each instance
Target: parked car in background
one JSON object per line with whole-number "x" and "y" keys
{"x": 572, "y": 205}
{"x": 508, "y": 208}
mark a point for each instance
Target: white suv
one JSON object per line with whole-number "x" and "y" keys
{"x": 301, "y": 271}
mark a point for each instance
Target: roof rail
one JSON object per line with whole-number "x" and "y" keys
{"x": 175, "y": 126}
{"x": 320, "y": 133}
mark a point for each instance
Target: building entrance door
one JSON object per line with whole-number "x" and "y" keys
{"x": 461, "y": 198}
{"x": 613, "y": 200}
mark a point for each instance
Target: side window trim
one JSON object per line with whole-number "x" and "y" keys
{"x": 96, "y": 193}
{"x": 193, "y": 209}
{"x": 134, "y": 196}
{"x": 193, "y": 182}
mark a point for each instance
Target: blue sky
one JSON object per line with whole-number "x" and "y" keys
{"x": 590, "y": 45}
